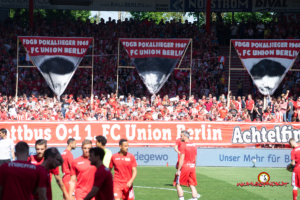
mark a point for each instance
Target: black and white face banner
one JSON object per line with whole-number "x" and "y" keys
{"x": 267, "y": 61}
{"x": 154, "y": 71}
{"x": 155, "y": 59}
{"x": 57, "y": 58}
{"x": 57, "y": 71}
{"x": 267, "y": 73}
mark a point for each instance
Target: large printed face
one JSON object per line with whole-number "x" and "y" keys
{"x": 266, "y": 84}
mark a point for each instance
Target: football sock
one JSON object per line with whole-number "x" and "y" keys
{"x": 295, "y": 194}
{"x": 181, "y": 198}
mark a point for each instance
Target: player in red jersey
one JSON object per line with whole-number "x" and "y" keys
{"x": 124, "y": 164}
{"x": 66, "y": 166}
{"x": 82, "y": 169}
{"x": 295, "y": 157}
{"x": 187, "y": 166}
{"x": 103, "y": 183}
{"x": 13, "y": 175}
{"x": 177, "y": 148}
{"x": 40, "y": 147}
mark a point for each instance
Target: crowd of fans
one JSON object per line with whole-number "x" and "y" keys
{"x": 210, "y": 100}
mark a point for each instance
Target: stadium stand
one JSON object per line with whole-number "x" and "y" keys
{"x": 134, "y": 102}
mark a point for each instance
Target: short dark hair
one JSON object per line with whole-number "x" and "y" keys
{"x": 121, "y": 141}
{"x": 51, "y": 152}
{"x": 98, "y": 152}
{"x": 70, "y": 140}
{"x": 101, "y": 139}
{"x": 267, "y": 67}
{"x": 3, "y": 130}
{"x": 22, "y": 147}
{"x": 41, "y": 142}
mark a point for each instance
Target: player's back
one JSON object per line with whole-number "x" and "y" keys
{"x": 18, "y": 180}
{"x": 190, "y": 152}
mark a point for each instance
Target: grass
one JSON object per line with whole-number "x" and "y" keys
{"x": 214, "y": 183}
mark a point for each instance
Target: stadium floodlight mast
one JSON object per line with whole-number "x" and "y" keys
{"x": 254, "y": 161}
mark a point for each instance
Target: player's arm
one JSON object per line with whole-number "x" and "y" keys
{"x": 61, "y": 185}
{"x": 134, "y": 173}
{"x": 72, "y": 184}
{"x": 180, "y": 163}
{"x": 291, "y": 165}
{"x": 176, "y": 148}
{"x": 92, "y": 193}
{"x": 13, "y": 154}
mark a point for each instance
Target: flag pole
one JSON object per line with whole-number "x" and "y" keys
{"x": 191, "y": 40}
{"x": 92, "y": 81}
{"x": 183, "y": 54}
{"x": 17, "y": 74}
{"x": 229, "y": 68}
{"x": 117, "y": 90}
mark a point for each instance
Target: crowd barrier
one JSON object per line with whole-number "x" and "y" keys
{"x": 220, "y": 157}
{"x": 148, "y": 133}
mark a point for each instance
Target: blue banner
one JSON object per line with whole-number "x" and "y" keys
{"x": 222, "y": 157}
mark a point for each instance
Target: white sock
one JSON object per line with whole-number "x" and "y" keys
{"x": 181, "y": 198}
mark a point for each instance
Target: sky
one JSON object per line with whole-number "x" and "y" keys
{"x": 114, "y": 15}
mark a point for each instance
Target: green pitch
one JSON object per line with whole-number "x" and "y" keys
{"x": 214, "y": 183}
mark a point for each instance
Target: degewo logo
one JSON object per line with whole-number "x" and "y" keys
{"x": 263, "y": 180}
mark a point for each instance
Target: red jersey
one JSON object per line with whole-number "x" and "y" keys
{"x": 123, "y": 167}
{"x": 295, "y": 155}
{"x": 68, "y": 158}
{"x": 103, "y": 180}
{"x": 249, "y": 104}
{"x": 84, "y": 171}
{"x": 190, "y": 152}
{"x": 178, "y": 143}
{"x": 13, "y": 175}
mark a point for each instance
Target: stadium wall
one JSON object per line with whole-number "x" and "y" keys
{"x": 221, "y": 157}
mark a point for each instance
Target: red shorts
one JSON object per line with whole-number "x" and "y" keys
{"x": 296, "y": 179}
{"x": 66, "y": 182}
{"x": 121, "y": 191}
{"x": 187, "y": 178}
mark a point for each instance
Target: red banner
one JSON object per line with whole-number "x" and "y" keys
{"x": 164, "y": 48}
{"x": 154, "y": 134}
{"x": 288, "y": 49}
{"x": 267, "y": 61}
{"x": 62, "y": 46}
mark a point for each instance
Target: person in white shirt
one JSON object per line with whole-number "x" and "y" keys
{"x": 260, "y": 29}
{"x": 6, "y": 147}
{"x": 12, "y": 111}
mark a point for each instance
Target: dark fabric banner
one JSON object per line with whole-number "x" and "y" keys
{"x": 57, "y": 58}
{"x": 155, "y": 59}
{"x": 267, "y": 61}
